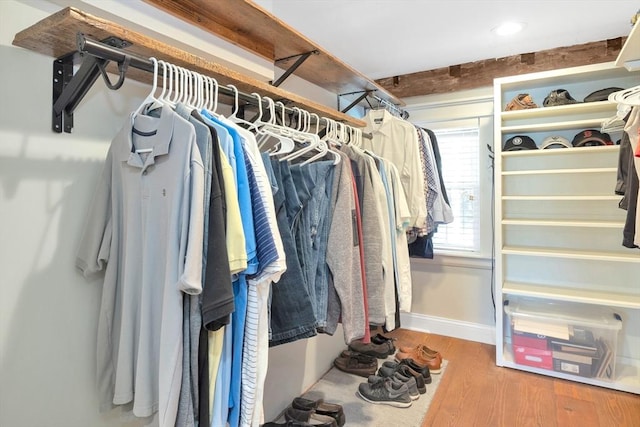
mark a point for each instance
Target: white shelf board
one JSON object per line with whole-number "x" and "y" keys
{"x": 559, "y": 111}
{"x": 558, "y": 171}
{"x": 562, "y": 151}
{"x": 627, "y": 374}
{"x": 565, "y": 223}
{"x": 562, "y": 125}
{"x": 629, "y": 56}
{"x": 630, "y": 257}
{"x": 565, "y": 198}
{"x": 572, "y": 294}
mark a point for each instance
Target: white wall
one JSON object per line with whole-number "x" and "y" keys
{"x": 48, "y": 312}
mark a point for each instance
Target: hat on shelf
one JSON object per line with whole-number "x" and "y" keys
{"x": 591, "y": 137}
{"x": 555, "y": 142}
{"x": 521, "y": 101}
{"x": 558, "y": 97}
{"x": 601, "y": 94}
{"x": 519, "y": 142}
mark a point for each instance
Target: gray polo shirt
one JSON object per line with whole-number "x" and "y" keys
{"x": 145, "y": 230}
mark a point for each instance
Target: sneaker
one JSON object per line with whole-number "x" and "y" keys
{"x": 422, "y": 370}
{"x": 414, "y": 394}
{"x": 357, "y": 364}
{"x": 386, "y": 392}
{"x": 381, "y": 351}
{"x": 389, "y": 371}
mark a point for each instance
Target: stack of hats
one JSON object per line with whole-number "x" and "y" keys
{"x": 558, "y": 97}
{"x": 555, "y": 142}
{"x": 519, "y": 142}
{"x": 591, "y": 137}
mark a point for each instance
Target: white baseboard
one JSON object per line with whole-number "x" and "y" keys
{"x": 448, "y": 327}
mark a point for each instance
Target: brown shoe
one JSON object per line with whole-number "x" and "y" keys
{"x": 357, "y": 364}
{"x": 422, "y": 359}
{"x": 419, "y": 347}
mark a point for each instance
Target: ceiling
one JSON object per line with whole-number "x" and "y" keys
{"x": 384, "y": 38}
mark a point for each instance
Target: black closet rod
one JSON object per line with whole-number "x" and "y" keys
{"x": 110, "y": 53}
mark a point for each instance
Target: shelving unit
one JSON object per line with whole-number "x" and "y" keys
{"x": 55, "y": 36}
{"x": 558, "y": 224}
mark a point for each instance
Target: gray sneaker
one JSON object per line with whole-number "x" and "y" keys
{"x": 386, "y": 392}
{"x": 397, "y": 377}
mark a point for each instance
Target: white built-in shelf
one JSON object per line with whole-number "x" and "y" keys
{"x": 562, "y": 125}
{"x": 571, "y": 294}
{"x": 562, "y": 151}
{"x": 629, "y": 56}
{"x": 564, "y": 223}
{"x": 625, "y": 257}
{"x": 559, "y": 111}
{"x": 558, "y": 171}
{"x": 565, "y": 198}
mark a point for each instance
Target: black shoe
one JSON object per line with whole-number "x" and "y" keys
{"x": 288, "y": 424}
{"x": 422, "y": 370}
{"x": 311, "y": 417}
{"x": 381, "y": 351}
{"x": 321, "y": 407}
{"x": 382, "y": 340}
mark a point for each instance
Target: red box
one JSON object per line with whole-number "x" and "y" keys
{"x": 524, "y": 339}
{"x": 535, "y": 357}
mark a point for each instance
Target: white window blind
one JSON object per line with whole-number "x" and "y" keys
{"x": 459, "y": 152}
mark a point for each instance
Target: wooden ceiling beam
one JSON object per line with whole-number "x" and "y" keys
{"x": 481, "y": 73}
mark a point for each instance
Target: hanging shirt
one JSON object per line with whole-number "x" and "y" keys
{"x": 396, "y": 140}
{"x": 145, "y": 231}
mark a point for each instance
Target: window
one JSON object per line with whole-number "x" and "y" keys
{"x": 459, "y": 152}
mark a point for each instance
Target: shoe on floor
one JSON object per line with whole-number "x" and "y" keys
{"x": 381, "y": 339}
{"x": 321, "y": 407}
{"x": 413, "y": 366}
{"x": 389, "y": 371}
{"x": 410, "y": 382}
{"x": 357, "y": 364}
{"x": 381, "y": 351}
{"x": 288, "y": 424}
{"x": 421, "y": 358}
{"x": 385, "y": 392}
{"x": 311, "y": 417}
{"x": 421, "y": 347}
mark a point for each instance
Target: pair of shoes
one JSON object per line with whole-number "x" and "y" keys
{"x": 385, "y": 392}
{"x": 413, "y": 368}
{"x": 421, "y": 347}
{"x": 287, "y": 424}
{"x": 310, "y": 417}
{"x": 381, "y": 351}
{"x": 382, "y": 340}
{"x": 422, "y": 358}
{"x": 404, "y": 371}
{"x": 397, "y": 377}
{"x": 321, "y": 407}
{"x": 356, "y": 363}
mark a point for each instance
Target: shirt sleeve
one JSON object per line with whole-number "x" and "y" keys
{"x": 95, "y": 244}
{"x": 191, "y": 278}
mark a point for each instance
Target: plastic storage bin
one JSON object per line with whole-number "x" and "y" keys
{"x": 575, "y": 339}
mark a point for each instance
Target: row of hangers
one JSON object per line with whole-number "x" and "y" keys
{"x": 626, "y": 100}
{"x": 197, "y": 91}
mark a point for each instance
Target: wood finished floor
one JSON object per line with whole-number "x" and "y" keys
{"x": 476, "y": 392}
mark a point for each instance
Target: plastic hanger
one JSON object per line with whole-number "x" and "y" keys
{"x": 150, "y": 99}
{"x": 629, "y": 96}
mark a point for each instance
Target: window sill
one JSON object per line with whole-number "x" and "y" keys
{"x": 456, "y": 259}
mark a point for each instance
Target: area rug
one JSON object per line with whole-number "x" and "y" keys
{"x": 339, "y": 387}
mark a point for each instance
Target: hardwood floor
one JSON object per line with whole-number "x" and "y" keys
{"x": 476, "y": 392}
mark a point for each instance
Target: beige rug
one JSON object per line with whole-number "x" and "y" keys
{"x": 339, "y": 387}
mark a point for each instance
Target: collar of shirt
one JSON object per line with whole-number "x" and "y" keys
{"x": 162, "y": 128}
{"x": 378, "y": 121}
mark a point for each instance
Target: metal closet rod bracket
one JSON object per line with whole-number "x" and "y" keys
{"x": 69, "y": 88}
{"x": 301, "y": 58}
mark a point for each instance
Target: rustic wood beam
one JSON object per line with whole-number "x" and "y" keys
{"x": 481, "y": 73}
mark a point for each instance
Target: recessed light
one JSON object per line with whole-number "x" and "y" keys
{"x": 508, "y": 28}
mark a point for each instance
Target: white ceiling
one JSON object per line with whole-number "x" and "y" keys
{"x": 384, "y": 38}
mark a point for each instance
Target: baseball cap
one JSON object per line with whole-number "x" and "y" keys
{"x": 591, "y": 137}
{"x": 519, "y": 142}
{"x": 522, "y": 101}
{"x": 558, "y": 97}
{"x": 555, "y": 142}
{"x": 601, "y": 94}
